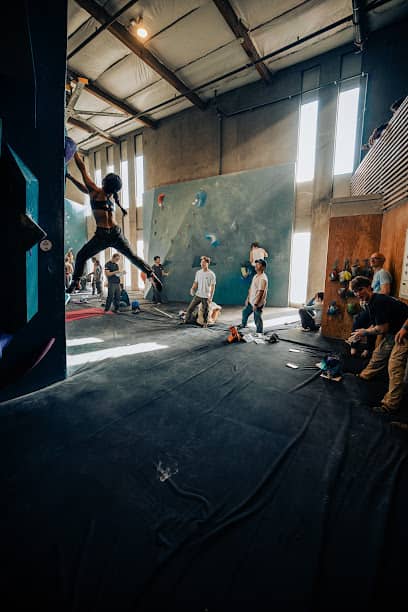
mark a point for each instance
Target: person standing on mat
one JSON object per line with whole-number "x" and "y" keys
{"x": 113, "y": 275}
{"x": 96, "y": 277}
{"x": 159, "y": 272}
{"x": 108, "y": 233}
{"x": 256, "y": 299}
{"x": 202, "y": 291}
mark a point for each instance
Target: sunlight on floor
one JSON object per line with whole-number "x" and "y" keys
{"x": 277, "y": 321}
{"x": 114, "y": 353}
{"x": 82, "y": 341}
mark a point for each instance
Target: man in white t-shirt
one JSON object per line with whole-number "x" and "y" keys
{"x": 257, "y": 295}
{"x": 202, "y": 290}
{"x": 256, "y": 252}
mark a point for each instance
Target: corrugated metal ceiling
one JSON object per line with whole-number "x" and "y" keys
{"x": 194, "y": 41}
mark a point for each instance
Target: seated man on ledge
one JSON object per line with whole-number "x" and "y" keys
{"x": 311, "y": 314}
{"x": 387, "y": 317}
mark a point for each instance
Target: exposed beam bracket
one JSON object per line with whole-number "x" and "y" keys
{"x": 242, "y": 34}
{"x": 92, "y": 129}
{"x": 115, "y": 102}
{"x": 121, "y": 33}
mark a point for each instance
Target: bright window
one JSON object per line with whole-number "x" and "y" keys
{"x": 109, "y": 160}
{"x": 127, "y": 279}
{"x": 98, "y": 171}
{"x": 124, "y": 175}
{"x": 140, "y": 252}
{"x": 139, "y": 181}
{"x": 346, "y": 130}
{"x": 307, "y": 142}
{"x": 299, "y": 267}
{"x": 98, "y": 177}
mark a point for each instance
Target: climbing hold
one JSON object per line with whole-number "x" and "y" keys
{"x": 213, "y": 239}
{"x": 70, "y": 149}
{"x": 200, "y": 199}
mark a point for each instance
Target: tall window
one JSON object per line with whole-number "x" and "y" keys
{"x": 127, "y": 279}
{"x": 346, "y": 130}
{"x": 139, "y": 170}
{"x": 109, "y": 160}
{"x": 124, "y": 174}
{"x": 97, "y": 167}
{"x": 307, "y": 142}
{"x": 140, "y": 252}
{"x": 299, "y": 267}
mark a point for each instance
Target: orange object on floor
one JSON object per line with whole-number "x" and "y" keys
{"x": 84, "y": 313}
{"x": 234, "y": 336}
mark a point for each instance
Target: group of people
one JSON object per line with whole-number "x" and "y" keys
{"x": 95, "y": 276}
{"x": 381, "y": 314}
{"x": 203, "y": 310}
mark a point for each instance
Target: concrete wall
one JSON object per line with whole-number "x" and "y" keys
{"x": 196, "y": 144}
{"x": 385, "y": 61}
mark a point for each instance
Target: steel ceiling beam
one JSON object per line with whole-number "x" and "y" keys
{"x": 121, "y": 33}
{"x": 103, "y": 27}
{"x": 92, "y": 129}
{"x": 242, "y": 34}
{"x": 115, "y": 102}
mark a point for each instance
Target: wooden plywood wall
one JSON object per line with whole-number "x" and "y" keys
{"x": 351, "y": 237}
{"x": 394, "y": 227}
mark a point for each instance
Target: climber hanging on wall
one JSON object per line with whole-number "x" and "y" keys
{"x": 108, "y": 233}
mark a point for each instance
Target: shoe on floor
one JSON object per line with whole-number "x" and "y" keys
{"x": 383, "y": 409}
{"x": 242, "y": 326}
{"x": 305, "y": 329}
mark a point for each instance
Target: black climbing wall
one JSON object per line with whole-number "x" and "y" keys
{"x": 32, "y": 85}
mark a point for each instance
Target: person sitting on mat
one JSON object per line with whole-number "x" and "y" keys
{"x": 108, "y": 233}
{"x": 387, "y": 318}
{"x": 311, "y": 314}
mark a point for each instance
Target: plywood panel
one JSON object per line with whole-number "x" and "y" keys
{"x": 354, "y": 237}
{"x": 393, "y": 232}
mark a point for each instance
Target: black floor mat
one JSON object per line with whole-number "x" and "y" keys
{"x": 189, "y": 474}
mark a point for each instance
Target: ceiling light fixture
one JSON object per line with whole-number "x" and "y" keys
{"x": 137, "y": 23}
